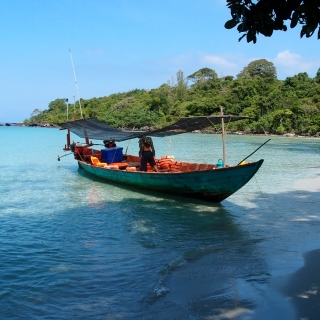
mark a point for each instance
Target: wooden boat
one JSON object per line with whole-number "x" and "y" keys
{"x": 197, "y": 180}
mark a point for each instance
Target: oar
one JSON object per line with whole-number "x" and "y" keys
{"x": 59, "y": 157}
{"x": 253, "y": 152}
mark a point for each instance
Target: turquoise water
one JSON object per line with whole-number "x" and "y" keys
{"x": 74, "y": 247}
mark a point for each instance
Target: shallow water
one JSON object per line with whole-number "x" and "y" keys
{"x": 73, "y": 246}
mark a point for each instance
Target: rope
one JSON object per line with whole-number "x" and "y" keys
{"x": 82, "y": 158}
{"x": 127, "y": 146}
{"x": 32, "y": 154}
{"x": 266, "y": 199}
{"x": 226, "y": 124}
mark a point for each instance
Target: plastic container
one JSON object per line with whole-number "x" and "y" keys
{"x": 220, "y": 163}
{"x": 110, "y": 155}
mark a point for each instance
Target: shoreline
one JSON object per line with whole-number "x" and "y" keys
{"x": 286, "y": 135}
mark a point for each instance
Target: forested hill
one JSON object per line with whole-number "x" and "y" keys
{"x": 276, "y": 106}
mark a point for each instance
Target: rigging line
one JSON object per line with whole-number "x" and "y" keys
{"x": 266, "y": 199}
{"x": 75, "y": 80}
{"x": 27, "y": 155}
{"x": 74, "y": 108}
{"x": 215, "y": 124}
{"x": 127, "y": 146}
{"x": 114, "y": 154}
{"x": 210, "y": 122}
{"x": 82, "y": 157}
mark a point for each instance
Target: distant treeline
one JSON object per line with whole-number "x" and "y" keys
{"x": 275, "y": 106}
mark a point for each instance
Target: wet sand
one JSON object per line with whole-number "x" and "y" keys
{"x": 302, "y": 288}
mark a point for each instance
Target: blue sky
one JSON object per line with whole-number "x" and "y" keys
{"x": 121, "y": 45}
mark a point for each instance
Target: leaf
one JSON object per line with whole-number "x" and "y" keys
{"x": 301, "y": 8}
{"x": 230, "y": 24}
{"x": 240, "y": 27}
{"x": 254, "y": 39}
{"x": 251, "y": 36}
{"x": 244, "y": 36}
{"x": 278, "y": 24}
{"x": 294, "y": 20}
{"x": 267, "y": 31}
{"x": 303, "y": 31}
{"x": 312, "y": 27}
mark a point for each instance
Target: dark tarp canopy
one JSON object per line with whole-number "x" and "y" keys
{"x": 95, "y": 129}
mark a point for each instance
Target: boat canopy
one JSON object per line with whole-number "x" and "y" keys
{"x": 95, "y": 129}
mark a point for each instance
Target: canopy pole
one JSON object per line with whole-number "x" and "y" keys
{"x": 223, "y": 138}
{"x": 67, "y": 146}
{"x": 67, "y": 102}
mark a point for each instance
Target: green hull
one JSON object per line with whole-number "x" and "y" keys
{"x": 210, "y": 185}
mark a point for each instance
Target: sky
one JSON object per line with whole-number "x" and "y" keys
{"x": 122, "y": 45}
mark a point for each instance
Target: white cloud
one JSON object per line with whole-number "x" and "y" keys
{"x": 287, "y": 63}
{"x": 219, "y": 62}
{"x": 226, "y": 64}
{"x": 293, "y": 63}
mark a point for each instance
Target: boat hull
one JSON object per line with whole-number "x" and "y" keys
{"x": 213, "y": 185}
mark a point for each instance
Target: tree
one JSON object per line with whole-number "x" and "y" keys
{"x": 202, "y": 75}
{"x": 36, "y": 113}
{"x": 259, "y": 68}
{"x": 182, "y": 85}
{"x": 317, "y": 77}
{"x": 265, "y": 16}
{"x": 276, "y": 106}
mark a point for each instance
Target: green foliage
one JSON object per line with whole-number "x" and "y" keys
{"x": 259, "y": 68}
{"x": 203, "y": 75}
{"x": 317, "y": 77}
{"x": 275, "y": 106}
{"x": 181, "y": 89}
{"x": 265, "y": 16}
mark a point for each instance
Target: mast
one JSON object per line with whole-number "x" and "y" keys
{"x": 75, "y": 80}
{"x": 223, "y": 138}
